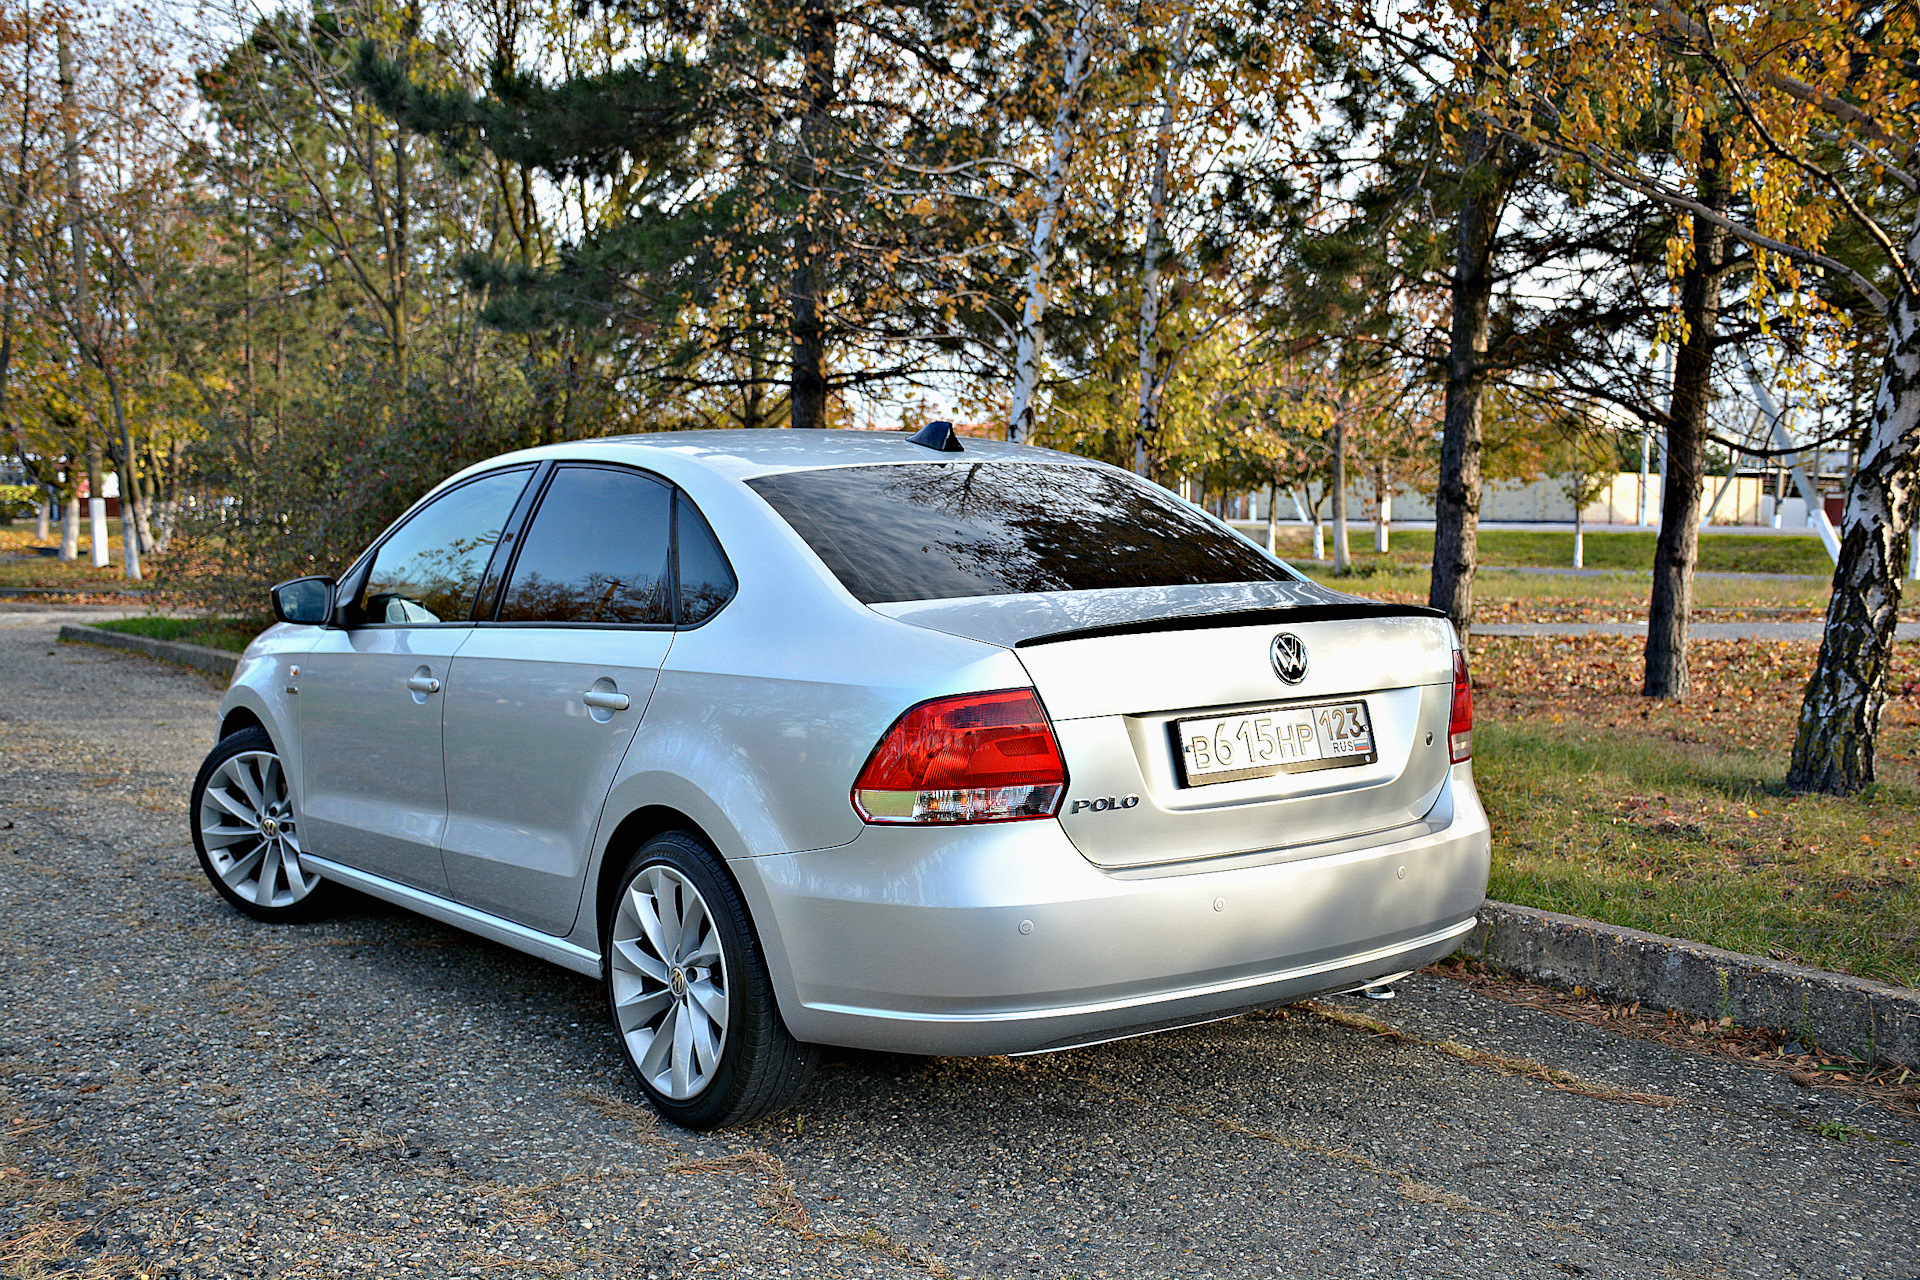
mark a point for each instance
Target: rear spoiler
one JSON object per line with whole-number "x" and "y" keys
{"x": 1344, "y": 612}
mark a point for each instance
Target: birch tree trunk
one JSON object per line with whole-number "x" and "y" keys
{"x": 1153, "y": 353}
{"x": 1833, "y": 750}
{"x": 1678, "y": 549}
{"x": 1030, "y": 344}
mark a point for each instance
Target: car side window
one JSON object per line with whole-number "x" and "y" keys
{"x": 706, "y": 579}
{"x": 596, "y": 552}
{"x": 429, "y": 570}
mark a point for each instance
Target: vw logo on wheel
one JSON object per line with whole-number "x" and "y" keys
{"x": 1289, "y": 657}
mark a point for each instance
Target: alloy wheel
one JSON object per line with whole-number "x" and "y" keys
{"x": 669, "y": 982}
{"x": 249, "y": 830}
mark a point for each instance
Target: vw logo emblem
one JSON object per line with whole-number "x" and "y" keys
{"x": 1289, "y": 657}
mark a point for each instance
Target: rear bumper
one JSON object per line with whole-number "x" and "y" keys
{"x": 1004, "y": 939}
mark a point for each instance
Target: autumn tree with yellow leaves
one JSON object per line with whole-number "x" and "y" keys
{"x": 1790, "y": 131}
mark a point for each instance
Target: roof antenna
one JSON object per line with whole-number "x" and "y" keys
{"x": 937, "y": 436}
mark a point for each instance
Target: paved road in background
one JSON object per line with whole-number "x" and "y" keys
{"x": 1698, "y": 630}
{"x": 184, "y": 1092}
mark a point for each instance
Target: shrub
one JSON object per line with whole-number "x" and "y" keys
{"x": 18, "y": 501}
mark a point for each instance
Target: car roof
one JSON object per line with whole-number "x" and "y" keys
{"x": 743, "y": 454}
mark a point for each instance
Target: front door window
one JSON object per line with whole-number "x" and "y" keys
{"x": 429, "y": 571}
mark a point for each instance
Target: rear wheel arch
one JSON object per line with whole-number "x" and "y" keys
{"x": 635, "y": 830}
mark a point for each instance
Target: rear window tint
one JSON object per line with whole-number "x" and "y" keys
{"x": 943, "y": 530}
{"x": 597, "y": 552}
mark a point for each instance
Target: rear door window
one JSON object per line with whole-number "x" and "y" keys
{"x": 428, "y": 571}
{"x": 597, "y": 552}
{"x": 945, "y": 530}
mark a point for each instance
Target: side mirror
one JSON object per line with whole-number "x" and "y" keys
{"x": 307, "y": 601}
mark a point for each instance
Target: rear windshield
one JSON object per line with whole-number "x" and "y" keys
{"x": 943, "y": 530}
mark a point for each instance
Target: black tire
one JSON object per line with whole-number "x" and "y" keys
{"x": 760, "y": 1068}
{"x": 245, "y": 768}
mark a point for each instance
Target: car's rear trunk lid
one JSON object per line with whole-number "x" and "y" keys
{"x": 1129, "y": 695}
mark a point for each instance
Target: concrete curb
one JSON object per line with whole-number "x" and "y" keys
{"x": 1864, "y": 1019}
{"x": 220, "y": 662}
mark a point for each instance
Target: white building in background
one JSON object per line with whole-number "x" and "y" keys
{"x": 1745, "y": 500}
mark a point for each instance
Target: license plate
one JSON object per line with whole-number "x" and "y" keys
{"x": 1270, "y": 740}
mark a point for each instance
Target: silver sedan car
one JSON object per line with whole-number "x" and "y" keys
{"x": 850, "y": 738}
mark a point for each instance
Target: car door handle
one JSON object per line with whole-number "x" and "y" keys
{"x": 423, "y": 684}
{"x": 605, "y": 700}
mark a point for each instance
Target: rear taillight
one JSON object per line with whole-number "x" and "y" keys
{"x": 1460, "y": 723}
{"x": 980, "y": 757}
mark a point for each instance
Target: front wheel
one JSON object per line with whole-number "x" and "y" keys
{"x": 247, "y": 835}
{"x": 689, "y": 992}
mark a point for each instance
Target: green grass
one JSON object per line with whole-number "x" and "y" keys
{"x": 1660, "y": 825}
{"x": 1719, "y": 552}
{"x": 217, "y": 633}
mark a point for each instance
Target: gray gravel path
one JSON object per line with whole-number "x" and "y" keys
{"x": 186, "y": 1093}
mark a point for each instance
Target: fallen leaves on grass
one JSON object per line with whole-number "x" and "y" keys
{"x": 1745, "y": 692}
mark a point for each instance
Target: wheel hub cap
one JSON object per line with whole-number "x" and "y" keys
{"x": 269, "y": 827}
{"x": 680, "y": 983}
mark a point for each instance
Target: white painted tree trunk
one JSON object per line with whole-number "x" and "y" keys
{"x": 129, "y": 489}
{"x": 97, "y": 530}
{"x": 43, "y": 517}
{"x": 1646, "y": 489}
{"x": 1030, "y": 346}
{"x": 1273, "y": 520}
{"x": 1383, "y": 493}
{"x": 70, "y": 530}
{"x": 1833, "y": 751}
{"x": 1153, "y": 355}
{"x": 1342, "y": 553}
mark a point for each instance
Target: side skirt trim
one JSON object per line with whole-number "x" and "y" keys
{"x": 505, "y": 932}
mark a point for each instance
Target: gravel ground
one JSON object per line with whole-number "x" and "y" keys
{"x": 184, "y": 1092}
